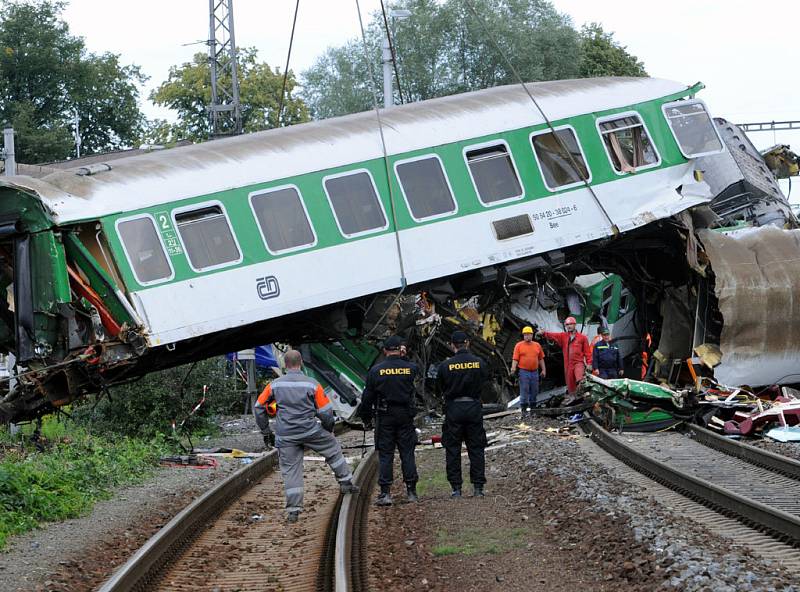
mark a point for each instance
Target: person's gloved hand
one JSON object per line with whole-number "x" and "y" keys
{"x": 269, "y": 440}
{"x": 621, "y": 372}
{"x": 327, "y": 424}
{"x": 368, "y": 424}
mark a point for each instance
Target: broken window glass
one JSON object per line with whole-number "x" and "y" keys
{"x": 628, "y": 144}
{"x": 355, "y": 203}
{"x": 425, "y": 188}
{"x": 144, "y": 249}
{"x": 494, "y": 174}
{"x": 207, "y": 237}
{"x": 283, "y": 219}
{"x": 693, "y": 129}
{"x": 554, "y": 158}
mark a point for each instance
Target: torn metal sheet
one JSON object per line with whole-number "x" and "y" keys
{"x": 757, "y": 274}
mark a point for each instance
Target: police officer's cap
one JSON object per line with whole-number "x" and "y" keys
{"x": 603, "y": 331}
{"x": 458, "y": 337}
{"x": 393, "y": 343}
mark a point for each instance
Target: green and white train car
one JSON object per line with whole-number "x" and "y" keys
{"x": 153, "y": 260}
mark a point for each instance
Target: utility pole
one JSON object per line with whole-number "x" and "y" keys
{"x": 248, "y": 358}
{"x": 7, "y": 152}
{"x": 77, "y": 134}
{"x": 388, "y": 58}
{"x": 225, "y": 112}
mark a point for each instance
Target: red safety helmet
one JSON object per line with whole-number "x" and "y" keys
{"x": 570, "y": 320}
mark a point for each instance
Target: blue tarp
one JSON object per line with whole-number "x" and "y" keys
{"x": 265, "y": 357}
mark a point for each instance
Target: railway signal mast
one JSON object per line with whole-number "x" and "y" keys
{"x": 225, "y": 111}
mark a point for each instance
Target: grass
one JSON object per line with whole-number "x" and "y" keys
{"x": 66, "y": 478}
{"x": 479, "y": 541}
{"x": 432, "y": 483}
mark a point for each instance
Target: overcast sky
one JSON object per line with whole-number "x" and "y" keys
{"x": 746, "y": 52}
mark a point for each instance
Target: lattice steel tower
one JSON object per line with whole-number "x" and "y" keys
{"x": 225, "y": 111}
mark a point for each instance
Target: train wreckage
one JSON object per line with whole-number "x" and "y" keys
{"x": 627, "y": 205}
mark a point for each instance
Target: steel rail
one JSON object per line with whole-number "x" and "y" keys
{"x": 777, "y": 522}
{"x": 146, "y": 563}
{"x": 755, "y": 456}
{"x": 351, "y": 530}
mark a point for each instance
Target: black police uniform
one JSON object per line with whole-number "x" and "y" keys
{"x": 461, "y": 379}
{"x": 390, "y": 389}
{"x": 607, "y": 359}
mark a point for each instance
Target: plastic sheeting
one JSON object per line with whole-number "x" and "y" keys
{"x": 757, "y": 274}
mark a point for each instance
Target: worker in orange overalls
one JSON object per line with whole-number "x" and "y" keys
{"x": 576, "y": 350}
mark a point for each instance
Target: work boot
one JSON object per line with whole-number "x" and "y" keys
{"x": 347, "y": 487}
{"x": 477, "y": 491}
{"x": 411, "y": 493}
{"x": 456, "y": 493}
{"x": 293, "y": 516}
{"x": 384, "y": 499}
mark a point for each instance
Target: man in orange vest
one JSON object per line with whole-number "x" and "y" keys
{"x": 528, "y": 356}
{"x": 304, "y": 419}
{"x": 576, "y": 350}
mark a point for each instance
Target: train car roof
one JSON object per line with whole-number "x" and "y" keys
{"x": 160, "y": 177}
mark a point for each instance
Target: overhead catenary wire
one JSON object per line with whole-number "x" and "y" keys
{"x": 576, "y": 168}
{"x": 286, "y": 68}
{"x": 392, "y": 205}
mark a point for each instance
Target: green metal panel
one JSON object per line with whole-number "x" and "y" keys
{"x": 98, "y": 279}
{"x": 50, "y": 284}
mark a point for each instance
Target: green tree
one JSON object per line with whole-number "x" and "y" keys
{"x": 147, "y": 406}
{"x": 187, "y": 90}
{"x": 444, "y": 49}
{"x": 602, "y": 56}
{"x": 47, "y": 75}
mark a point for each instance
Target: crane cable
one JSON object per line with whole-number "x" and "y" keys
{"x": 403, "y": 281}
{"x": 286, "y": 69}
{"x": 391, "y": 50}
{"x": 493, "y": 41}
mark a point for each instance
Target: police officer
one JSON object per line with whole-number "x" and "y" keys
{"x": 606, "y": 359}
{"x": 461, "y": 379}
{"x": 390, "y": 390}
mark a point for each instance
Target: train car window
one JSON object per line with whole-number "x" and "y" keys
{"x": 553, "y": 151}
{"x": 207, "y": 237}
{"x": 493, "y": 174}
{"x": 605, "y": 300}
{"x": 144, "y": 250}
{"x": 628, "y": 145}
{"x": 355, "y": 203}
{"x": 425, "y": 187}
{"x": 693, "y": 129}
{"x": 282, "y": 218}
{"x": 624, "y": 302}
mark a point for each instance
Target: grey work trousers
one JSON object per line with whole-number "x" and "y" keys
{"x": 290, "y": 456}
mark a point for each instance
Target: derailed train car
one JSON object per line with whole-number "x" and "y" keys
{"x": 315, "y": 231}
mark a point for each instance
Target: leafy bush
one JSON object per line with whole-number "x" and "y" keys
{"x": 65, "y": 481}
{"x": 148, "y": 406}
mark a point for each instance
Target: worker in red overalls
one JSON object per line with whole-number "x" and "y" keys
{"x": 576, "y": 350}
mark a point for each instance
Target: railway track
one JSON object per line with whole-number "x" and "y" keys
{"x": 235, "y": 537}
{"x": 759, "y": 489}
